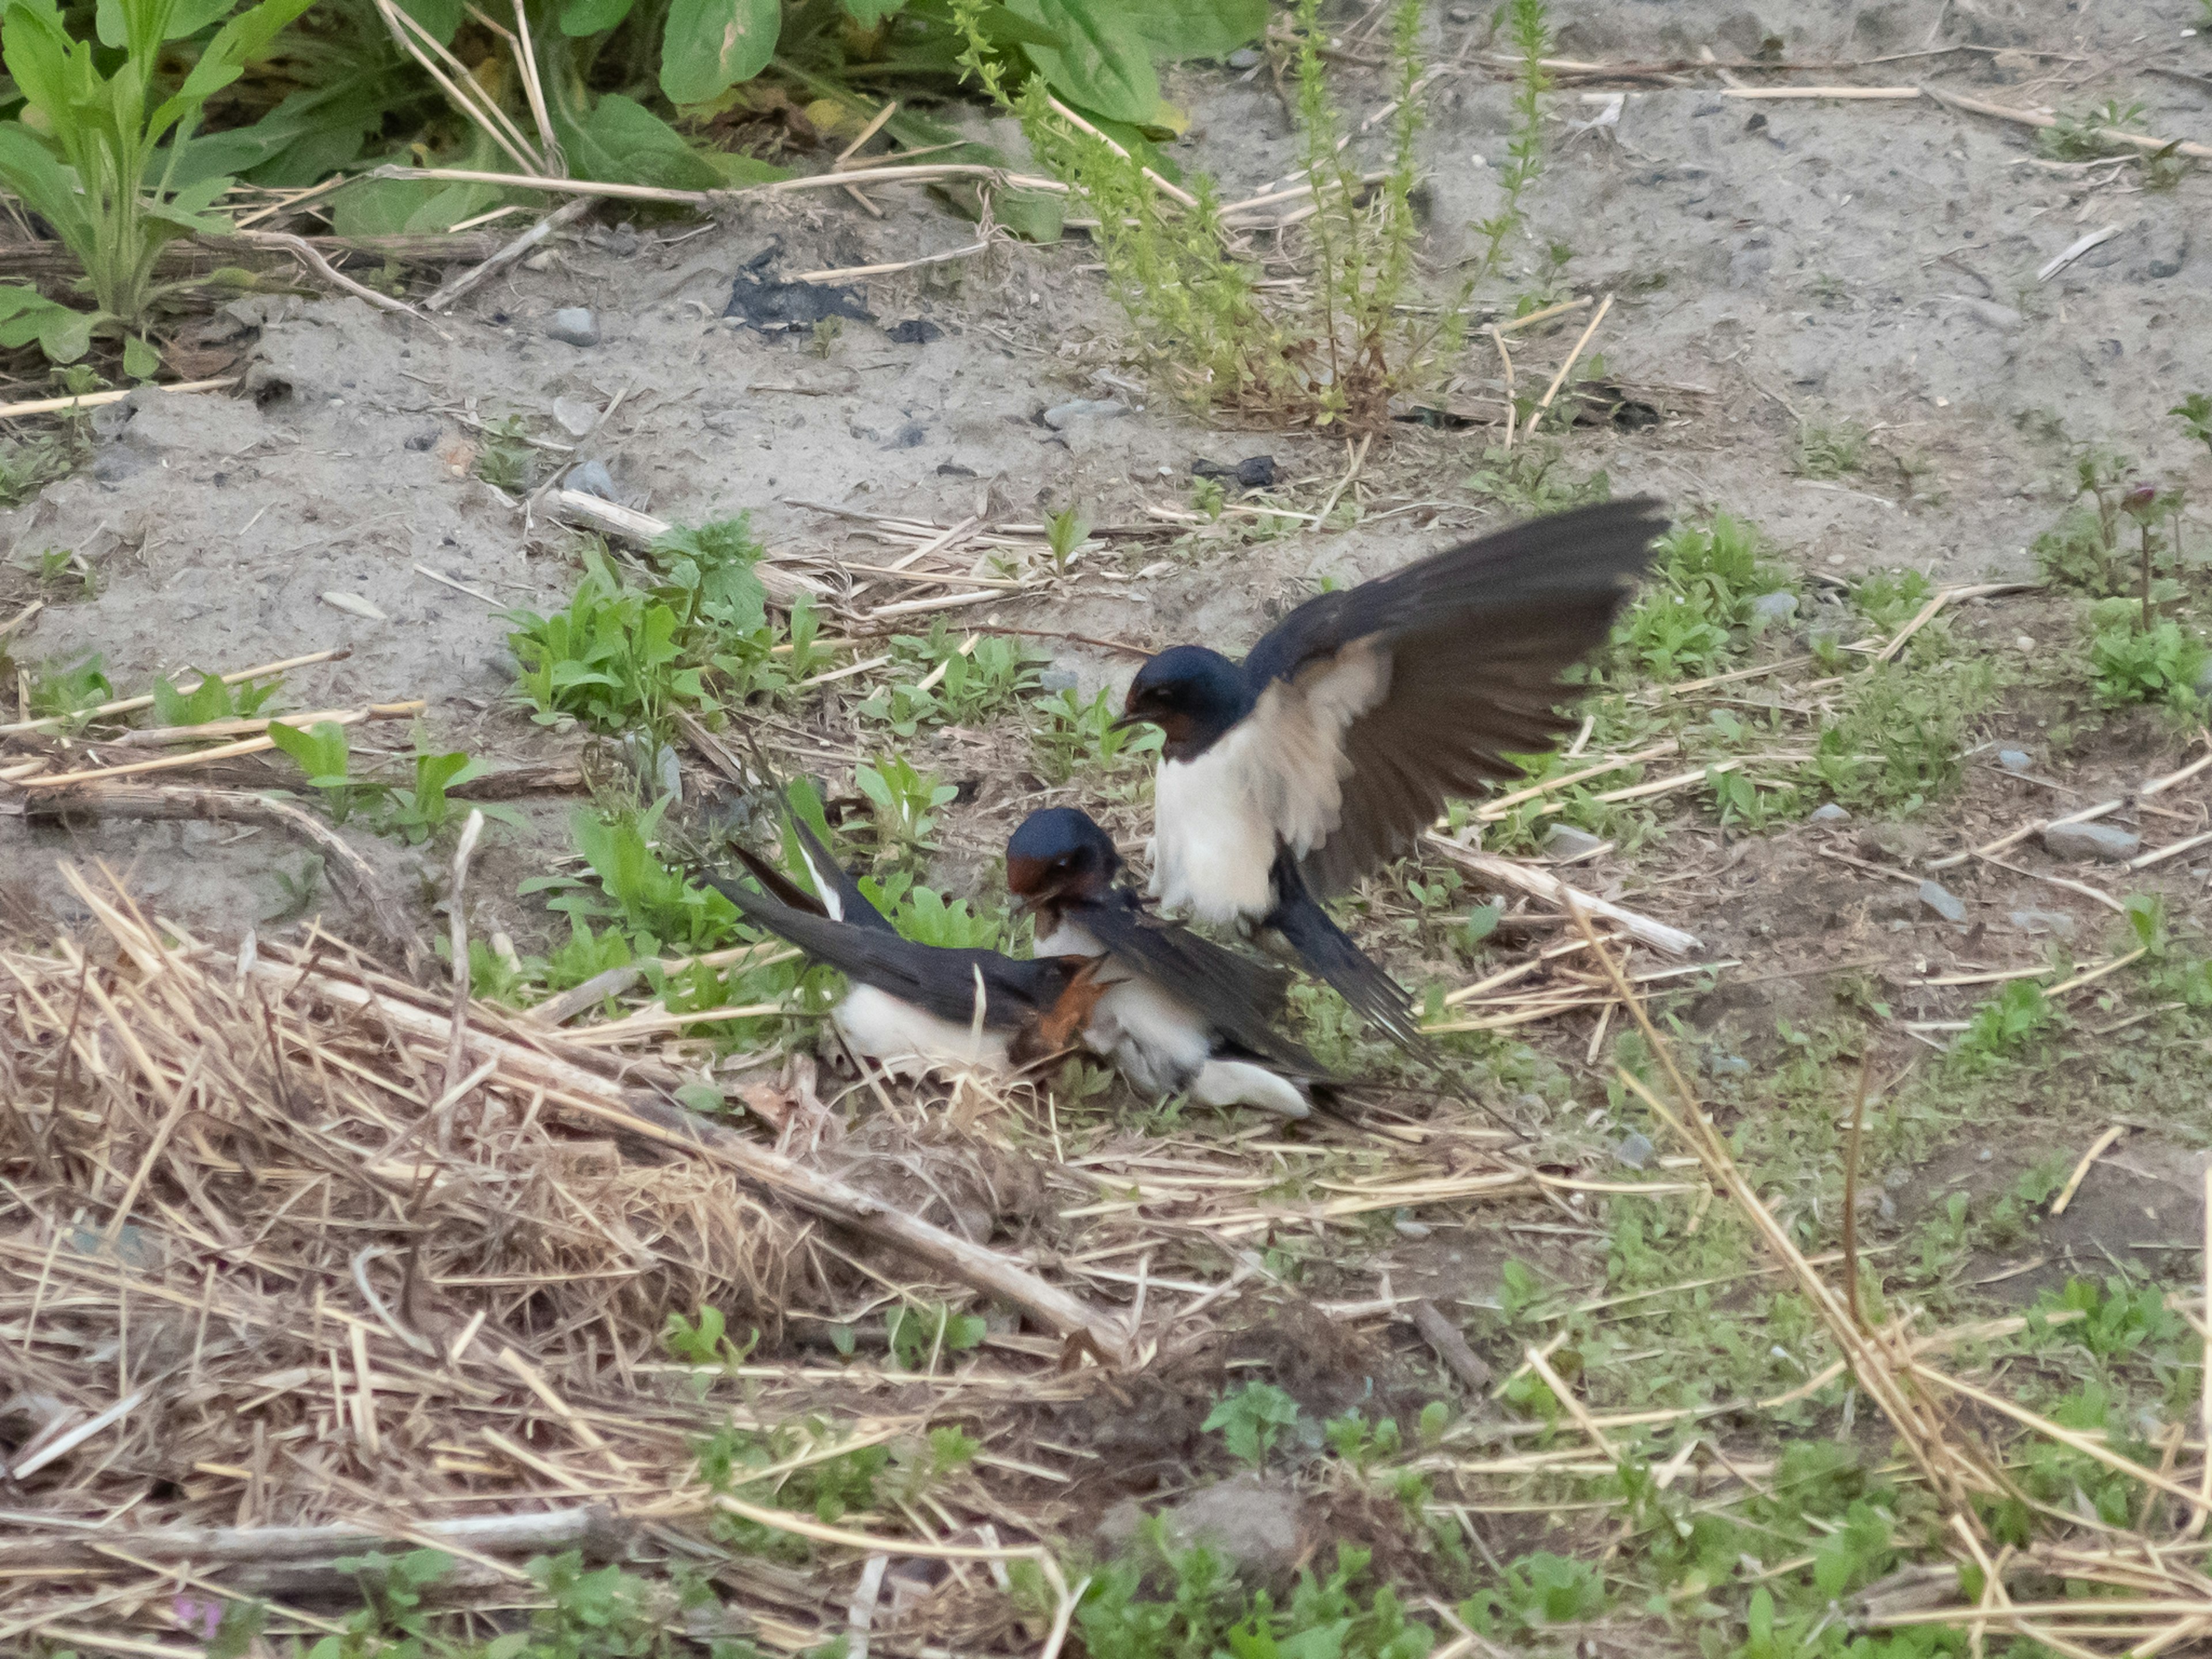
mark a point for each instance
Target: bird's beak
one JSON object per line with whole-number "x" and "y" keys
{"x": 1128, "y": 721}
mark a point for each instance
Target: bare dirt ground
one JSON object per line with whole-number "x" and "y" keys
{"x": 1774, "y": 265}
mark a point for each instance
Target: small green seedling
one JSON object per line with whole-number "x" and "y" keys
{"x": 59, "y": 693}
{"x": 1251, "y": 1420}
{"x": 209, "y": 699}
{"x": 1065, "y": 532}
{"x": 2194, "y": 414}
{"x": 323, "y": 752}
{"x": 505, "y": 460}
{"x": 920, "y": 1336}
{"x": 906, "y": 802}
{"x": 705, "y": 1343}
{"x": 1075, "y": 736}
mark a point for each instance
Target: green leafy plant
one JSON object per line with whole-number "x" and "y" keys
{"x": 2131, "y": 663}
{"x": 2194, "y": 414}
{"x": 611, "y": 660}
{"x": 424, "y": 811}
{"x": 393, "y": 1588}
{"x": 1065, "y": 533}
{"x": 1829, "y": 451}
{"x": 1700, "y": 609}
{"x": 906, "y": 802}
{"x": 66, "y": 692}
{"x": 706, "y": 1342}
{"x": 94, "y": 165}
{"x": 29, "y": 465}
{"x": 1355, "y": 339}
{"x": 1072, "y": 735}
{"x": 2080, "y": 135}
{"x": 1532, "y": 479}
{"x": 1207, "y": 1615}
{"x": 920, "y": 1336}
{"x": 2003, "y": 1026}
{"x": 1536, "y": 1592}
{"x": 505, "y": 458}
{"x": 1251, "y": 1420}
{"x": 1529, "y": 24}
{"x": 209, "y": 700}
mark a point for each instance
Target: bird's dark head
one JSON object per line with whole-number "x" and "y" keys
{"x": 1059, "y": 856}
{"x": 1192, "y": 694}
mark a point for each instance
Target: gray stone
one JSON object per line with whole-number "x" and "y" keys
{"x": 425, "y": 440}
{"x": 1564, "y": 841}
{"x": 119, "y": 461}
{"x": 1894, "y": 843}
{"x": 1728, "y": 1065}
{"x": 574, "y": 415}
{"x": 2106, "y": 842}
{"x": 1943, "y": 901}
{"x": 1830, "y": 813}
{"x": 2003, "y": 318}
{"x": 1774, "y": 608}
{"x": 1243, "y": 59}
{"x": 1061, "y": 416}
{"x": 2013, "y": 760}
{"x": 2043, "y": 922}
{"x": 591, "y": 478}
{"x": 2203, "y": 687}
{"x": 1254, "y": 1524}
{"x": 1054, "y": 681}
{"x": 910, "y": 434}
{"x": 1409, "y": 1228}
{"x": 574, "y": 325}
{"x": 1635, "y": 1150}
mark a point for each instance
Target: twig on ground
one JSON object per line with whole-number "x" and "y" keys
{"x": 467, "y": 282}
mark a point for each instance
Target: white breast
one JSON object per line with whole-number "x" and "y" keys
{"x": 1212, "y": 845}
{"x": 907, "y": 1040}
{"x": 1159, "y": 1043}
{"x": 1276, "y": 780}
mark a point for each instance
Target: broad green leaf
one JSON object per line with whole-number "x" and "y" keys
{"x": 1104, "y": 63}
{"x": 1196, "y": 28}
{"x": 27, "y": 315}
{"x": 140, "y": 361}
{"x": 1034, "y": 216}
{"x": 1005, "y": 28}
{"x": 622, "y": 142}
{"x": 869, "y": 13}
{"x": 188, "y": 17}
{"x": 441, "y": 17}
{"x": 582, "y": 17}
{"x": 710, "y": 45}
{"x": 738, "y": 170}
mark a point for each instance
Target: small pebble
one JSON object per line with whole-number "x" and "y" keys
{"x": 2105, "y": 842}
{"x": 1943, "y": 901}
{"x": 1564, "y": 841}
{"x": 1061, "y": 416}
{"x": 1408, "y": 1228}
{"x": 1830, "y": 813}
{"x": 1054, "y": 680}
{"x": 1774, "y": 607}
{"x": 575, "y": 416}
{"x": 574, "y": 325}
{"x": 2013, "y": 760}
{"x": 2025, "y": 641}
{"x": 1729, "y": 1066}
{"x": 593, "y": 478}
{"x": 426, "y": 438}
{"x": 2043, "y": 922}
{"x": 1635, "y": 1150}
{"x": 1243, "y": 59}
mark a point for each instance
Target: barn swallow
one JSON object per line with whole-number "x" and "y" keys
{"x": 1324, "y": 754}
{"x": 1180, "y": 1014}
{"x": 912, "y": 1007}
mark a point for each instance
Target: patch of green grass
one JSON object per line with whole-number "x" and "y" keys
{"x": 1355, "y": 337}
{"x": 29, "y": 464}
{"x": 1206, "y": 1612}
{"x": 1829, "y": 451}
{"x": 1072, "y": 737}
{"x": 506, "y": 459}
{"x": 2129, "y": 663}
{"x": 944, "y": 680}
{"x": 2078, "y": 135}
{"x": 1698, "y": 612}
{"x": 906, "y": 801}
{"x": 1532, "y": 479}
{"x": 1250, "y": 1419}
{"x": 65, "y": 691}
{"x": 1537, "y": 1593}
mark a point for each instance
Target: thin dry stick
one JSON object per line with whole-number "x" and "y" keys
{"x": 375, "y": 711}
{"x": 1505, "y": 360}
{"x": 131, "y": 705}
{"x": 2141, "y": 141}
{"x": 100, "y": 399}
{"x": 1174, "y": 193}
{"x": 457, "y": 1051}
{"x": 1560, "y": 378}
{"x": 481, "y": 110}
{"x": 559, "y": 219}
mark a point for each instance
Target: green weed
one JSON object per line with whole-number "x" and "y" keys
{"x": 209, "y": 699}
{"x": 1072, "y": 736}
{"x": 1538, "y": 1591}
{"x": 958, "y": 682}
{"x": 906, "y": 802}
{"x": 505, "y": 457}
{"x": 1251, "y": 1420}
{"x": 1209, "y": 1614}
{"x": 29, "y": 465}
{"x": 705, "y": 1343}
{"x": 611, "y": 660}
{"x": 2194, "y": 414}
{"x": 66, "y": 692}
{"x": 91, "y": 162}
{"x": 1066, "y": 531}
{"x": 1532, "y": 478}
{"x": 1699, "y": 611}
{"x": 2003, "y": 1026}
{"x": 2078, "y": 135}
{"x": 1529, "y": 24}
{"x": 393, "y": 1588}
{"x": 1338, "y": 355}
{"x": 2129, "y": 663}
{"x": 1829, "y": 451}
{"x": 920, "y": 1336}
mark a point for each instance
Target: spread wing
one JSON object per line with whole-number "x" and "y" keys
{"x": 1376, "y": 703}
{"x": 939, "y": 981}
{"x": 1242, "y": 999}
